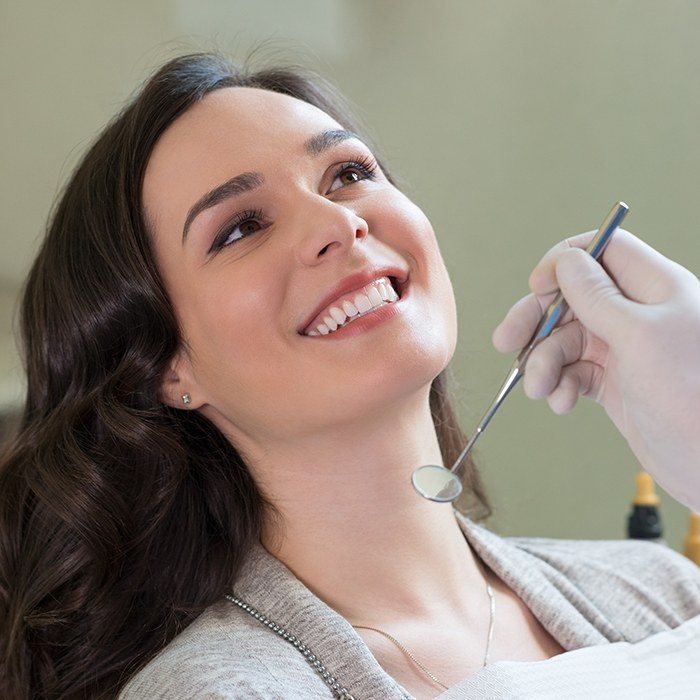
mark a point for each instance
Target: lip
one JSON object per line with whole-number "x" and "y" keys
{"x": 369, "y": 320}
{"x": 354, "y": 282}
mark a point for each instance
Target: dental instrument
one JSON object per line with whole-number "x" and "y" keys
{"x": 436, "y": 483}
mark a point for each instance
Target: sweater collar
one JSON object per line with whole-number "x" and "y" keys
{"x": 266, "y": 584}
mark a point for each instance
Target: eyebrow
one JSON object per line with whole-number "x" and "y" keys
{"x": 245, "y": 182}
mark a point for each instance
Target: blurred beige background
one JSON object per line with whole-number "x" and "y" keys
{"x": 513, "y": 123}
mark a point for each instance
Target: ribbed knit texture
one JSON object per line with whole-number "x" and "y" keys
{"x": 597, "y": 597}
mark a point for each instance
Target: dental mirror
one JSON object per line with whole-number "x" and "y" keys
{"x": 442, "y": 485}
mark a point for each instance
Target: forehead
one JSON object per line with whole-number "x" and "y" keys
{"x": 239, "y": 121}
{"x": 230, "y": 131}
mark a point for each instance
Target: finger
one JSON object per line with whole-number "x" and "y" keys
{"x": 594, "y": 297}
{"x": 641, "y": 272}
{"x": 543, "y": 369}
{"x": 579, "y": 379}
{"x": 518, "y": 325}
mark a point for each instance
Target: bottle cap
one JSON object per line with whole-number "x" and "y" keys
{"x": 692, "y": 539}
{"x": 645, "y": 496}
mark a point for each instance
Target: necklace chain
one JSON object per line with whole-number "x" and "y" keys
{"x": 492, "y": 620}
{"x": 339, "y": 690}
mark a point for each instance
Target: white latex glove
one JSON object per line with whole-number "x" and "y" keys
{"x": 630, "y": 341}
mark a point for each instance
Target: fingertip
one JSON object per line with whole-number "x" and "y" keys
{"x": 534, "y": 282}
{"x": 527, "y": 387}
{"x": 496, "y": 339}
{"x": 532, "y": 385}
{"x": 563, "y": 399}
{"x": 571, "y": 261}
{"x": 500, "y": 338}
{"x": 559, "y": 404}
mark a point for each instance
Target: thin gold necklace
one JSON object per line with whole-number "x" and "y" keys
{"x": 492, "y": 620}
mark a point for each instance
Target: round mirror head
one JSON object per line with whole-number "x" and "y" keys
{"x": 436, "y": 483}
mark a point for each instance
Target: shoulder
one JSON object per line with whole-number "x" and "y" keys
{"x": 222, "y": 655}
{"x": 646, "y": 583}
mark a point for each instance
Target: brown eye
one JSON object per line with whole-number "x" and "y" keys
{"x": 352, "y": 174}
{"x": 243, "y": 224}
{"x": 249, "y": 226}
{"x": 361, "y": 169}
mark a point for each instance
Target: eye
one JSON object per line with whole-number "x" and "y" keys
{"x": 250, "y": 221}
{"x": 246, "y": 221}
{"x": 365, "y": 166}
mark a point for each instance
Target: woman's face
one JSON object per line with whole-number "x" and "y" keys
{"x": 253, "y": 268}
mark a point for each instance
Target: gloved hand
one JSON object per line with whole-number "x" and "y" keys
{"x": 630, "y": 341}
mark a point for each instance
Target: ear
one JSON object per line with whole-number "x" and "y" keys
{"x": 178, "y": 381}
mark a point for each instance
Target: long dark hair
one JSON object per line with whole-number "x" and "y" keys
{"x": 116, "y": 529}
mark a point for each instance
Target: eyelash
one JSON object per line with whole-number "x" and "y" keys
{"x": 365, "y": 164}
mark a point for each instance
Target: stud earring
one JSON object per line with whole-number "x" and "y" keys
{"x": 186, "y": 398}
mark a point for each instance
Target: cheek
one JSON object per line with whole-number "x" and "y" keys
{"x": 232, "y": 330}
{"x": 404, "y": 226}
{"x": 407, "y": 230}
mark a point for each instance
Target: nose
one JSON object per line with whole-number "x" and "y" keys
{"x": 327, "y": 229}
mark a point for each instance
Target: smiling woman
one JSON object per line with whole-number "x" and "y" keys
{"x": 173, "y": 410}
{"x": 237, "y": 335}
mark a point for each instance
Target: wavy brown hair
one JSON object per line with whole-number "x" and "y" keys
{"x": 116, "y": 529}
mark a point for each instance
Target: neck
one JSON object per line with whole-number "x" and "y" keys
{"x": 354, "y": 530}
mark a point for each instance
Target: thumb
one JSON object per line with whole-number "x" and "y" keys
{"x": 592, "y": 295}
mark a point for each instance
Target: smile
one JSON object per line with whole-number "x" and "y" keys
{"x": 354, "y": 306}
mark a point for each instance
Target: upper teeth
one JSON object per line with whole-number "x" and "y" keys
{"x": 375, "y": 294}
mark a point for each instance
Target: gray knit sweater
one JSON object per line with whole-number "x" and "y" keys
{"x": 585, "y": 594}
